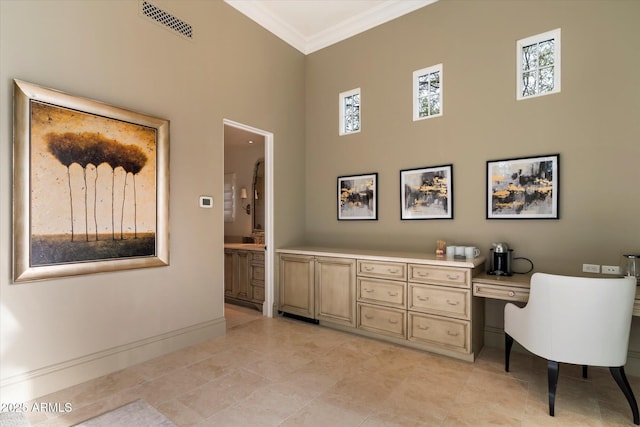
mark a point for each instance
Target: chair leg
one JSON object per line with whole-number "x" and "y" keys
{"x": 553, "y": 369}
{"x": 584, "y": 371}
{"x": 508, "y": 343}
{"x": 620, "y": 377}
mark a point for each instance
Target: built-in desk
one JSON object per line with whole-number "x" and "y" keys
{"x": 514, "y": 288}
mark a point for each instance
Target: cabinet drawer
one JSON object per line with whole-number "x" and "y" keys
{"x": 382, "y": 320}
{"x": 385, "y": 292}
{"x": 382, "y": 269}
{"x": 439, "y": 300}
{"x": 447, "y": 333}
{"x": 257, "y": 272}
{"x": 257, "y": 256}
{"x": 459, "y": 277}
{"x": 258, "y": 292}
{"x": 501, "y": 292}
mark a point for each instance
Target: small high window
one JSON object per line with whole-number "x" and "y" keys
{"x": 427, "y": 92}
{"x": 350, "y": 112}
{"x": 538, "y": 65}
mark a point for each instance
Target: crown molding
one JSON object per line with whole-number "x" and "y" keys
{"x": 386, "y": 11}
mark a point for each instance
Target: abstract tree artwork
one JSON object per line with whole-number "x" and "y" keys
{"x": 525, "y": 188}
{"x": 91, "y": 191}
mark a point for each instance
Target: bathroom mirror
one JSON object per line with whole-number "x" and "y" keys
{"x": 258, "y": 196}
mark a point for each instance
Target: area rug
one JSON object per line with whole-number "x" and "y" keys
{"x": 137, "y": 413}
{"x": 13, "y": 419}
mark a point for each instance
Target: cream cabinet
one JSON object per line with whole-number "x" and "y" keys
{"x": 244, "y": 277}
{"x": 335, "y": 288}
{"x": 318, "y": 288}
{"x": 416, "y": 300}
{"x": 297, "y": 285}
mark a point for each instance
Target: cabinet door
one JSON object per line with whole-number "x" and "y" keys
{"x": 228, "y": 273}
{"x": 296, "y": 285}
{"x": 336, "y": 290}
{"x": 241, "y": 285}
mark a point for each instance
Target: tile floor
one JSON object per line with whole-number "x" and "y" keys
{"x": 284, "y": 372}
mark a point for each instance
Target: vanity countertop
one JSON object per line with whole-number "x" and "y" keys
{"x": 245, "y": 246}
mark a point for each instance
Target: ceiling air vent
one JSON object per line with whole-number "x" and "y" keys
{"x": 166, "y": 19}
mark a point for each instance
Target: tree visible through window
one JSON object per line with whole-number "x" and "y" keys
{"x": 427, "y": 92}
{"x": 539, "y": 65}
{"x": 350, "y": 112}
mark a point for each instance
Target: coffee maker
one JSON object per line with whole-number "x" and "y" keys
{"x": 501, "y": 258}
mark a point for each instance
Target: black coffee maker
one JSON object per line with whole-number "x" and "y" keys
{"x": 501, "y": 258}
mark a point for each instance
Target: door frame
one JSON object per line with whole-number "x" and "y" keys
{"x": 267, "y": 307}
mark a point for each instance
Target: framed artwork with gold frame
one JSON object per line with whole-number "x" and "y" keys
{"x": 91, "y": 186}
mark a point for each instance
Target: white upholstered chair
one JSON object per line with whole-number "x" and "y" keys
{"x": 577, "y": 320}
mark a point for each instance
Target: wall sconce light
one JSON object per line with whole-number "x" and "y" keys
{"x": 243, "y": 196}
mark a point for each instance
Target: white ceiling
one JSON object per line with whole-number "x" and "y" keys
{"x": 310, "y": 25}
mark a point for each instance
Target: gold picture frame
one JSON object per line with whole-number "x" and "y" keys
{"x": 91, "y": 186}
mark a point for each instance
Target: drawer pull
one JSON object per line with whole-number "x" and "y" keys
{"x": 392, "y": 270}
{"x": 368, "y": 316}
{"x": 422, "y": 273}
{"x": 453, "y": 334}
{"x": 424, "y": 328}
{"x": 392, "y": 321}
{"x": 368, "y": 290}
{"x": 452, "y": 302}
{"x": 452, "y": 277}
{"x": 368, "y": 268}
{"x": 392, "y": 294}
{"x": 421, "y": 298}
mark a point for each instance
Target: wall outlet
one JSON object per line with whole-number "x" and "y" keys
{"x": 590, "y": 268}
{"x": 610, "y": 269}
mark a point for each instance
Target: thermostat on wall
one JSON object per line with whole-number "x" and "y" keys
{"x": 206, "y": 202}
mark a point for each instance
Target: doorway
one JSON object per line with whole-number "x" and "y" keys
{"x": 236, "y": 134}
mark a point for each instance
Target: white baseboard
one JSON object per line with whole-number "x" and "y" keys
{"x": 494, "y": 337}
{"x": 39, "y": 382}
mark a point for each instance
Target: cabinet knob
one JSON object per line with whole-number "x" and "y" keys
{"x": 511, "y": 293}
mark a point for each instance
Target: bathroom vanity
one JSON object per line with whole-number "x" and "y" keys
{"x": 244, "y": 274}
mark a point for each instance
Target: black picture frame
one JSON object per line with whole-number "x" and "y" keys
{"x": 358, "y": 197}
{"x": 523, "y": 188}
{"x": 426, "y": 193}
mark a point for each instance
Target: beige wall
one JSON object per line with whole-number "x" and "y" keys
{"x": 58, "y": 332}
{"x": 593, "y": 124}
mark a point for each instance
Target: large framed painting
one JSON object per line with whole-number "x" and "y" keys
{"x": 358, "y": 197}
{"x": 525, "y": 188}
{"x": 427, "y": 193}
{"x": 91, "y": 186}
